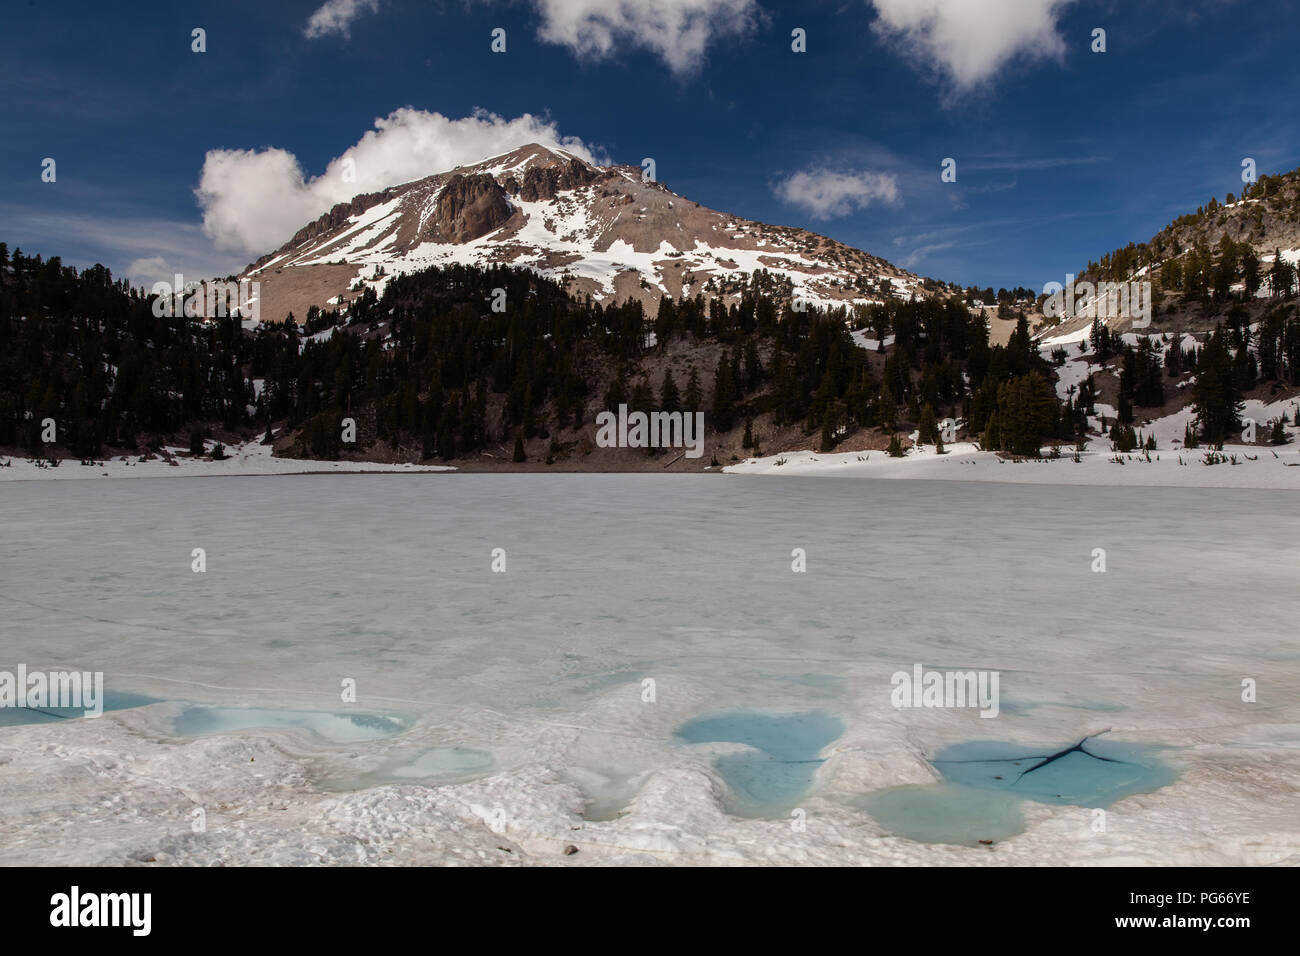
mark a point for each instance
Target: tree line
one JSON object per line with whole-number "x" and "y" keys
{"x": 432, "y": 367}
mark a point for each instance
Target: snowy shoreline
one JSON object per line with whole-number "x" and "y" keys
{"x": 1170, "y": 465}
{"x": 251, "y": 459}
{"x": 963, "y": 461}
{"x": 1256, "y": 467}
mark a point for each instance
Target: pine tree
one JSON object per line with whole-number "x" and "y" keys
{"x": 1173, "y": 358}
{"x": 642, "y": 399}
{"x": 1217, "y": 399}
{"x": 1171, "y": 275}
{"x": 888, "y": 408}
{"x": 1026, "y": 415}
{"x": 991, "y": 437}
{"x": 1250, "y": 272}
{"x": 1281, "y": 276}
{"x": 928, "y": 431}
{"x": 616, "y": 394}
{"x": 519, "y": 449}
{"x": 724, "y": 388}
{"x": 1099, "y": 336}
{"x": 670, "y": 399}
{"x": 1123, "y": 438}
{"x": 1125, "y": 412}
{"x": 895, "y": 446}
{"x": 694, "y": 393}
{"x": 753, "y": 366}
{"x": 827, "y": 442}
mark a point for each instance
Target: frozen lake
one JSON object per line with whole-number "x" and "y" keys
{"x": 648, "y": 678}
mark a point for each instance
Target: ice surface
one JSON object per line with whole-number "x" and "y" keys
{"x": 631, "y": 606}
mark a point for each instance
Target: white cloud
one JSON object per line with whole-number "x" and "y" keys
{"x": 145, "y": 272}
{"x": 336, "y": 16}
{"x": 678, "y": 31}
{"x": 826, "y": 194}
{"x": 968, "y": 41}
{"x": 921, "y": 253}
{"x": 254, "y": 200}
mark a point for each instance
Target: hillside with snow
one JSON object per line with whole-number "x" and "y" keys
{"x": 1238, "y": 256}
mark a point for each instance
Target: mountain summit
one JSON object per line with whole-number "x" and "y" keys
{"x": 605, "y": 231}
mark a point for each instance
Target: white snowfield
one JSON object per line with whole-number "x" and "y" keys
{"x": 613, "y": 581}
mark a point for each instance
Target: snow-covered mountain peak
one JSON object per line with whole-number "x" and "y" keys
{"x": 606, "y": 231}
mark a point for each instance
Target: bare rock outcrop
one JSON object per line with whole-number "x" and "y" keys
{"x": 543, "y": 182}
{"x": 468, "y": 207}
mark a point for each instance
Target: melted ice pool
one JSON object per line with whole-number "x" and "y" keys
{"x": 770, "y": 777}
{"x": 336, "y": 728}
{"x": 437, "y": 765}
{"x": 1093, "y": 773}
{"x": 12, "y": 716}
{"x": 985, "y": 783}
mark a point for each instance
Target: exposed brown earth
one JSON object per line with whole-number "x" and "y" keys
{"x": 285, "y": 291}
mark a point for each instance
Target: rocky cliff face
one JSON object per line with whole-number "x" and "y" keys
{"x": 337, "y": 217}
{"x": 546, "y": 182}
{"x": 467, "y": 208}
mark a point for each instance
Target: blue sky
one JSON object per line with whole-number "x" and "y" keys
{"x": 1062, "y": 154}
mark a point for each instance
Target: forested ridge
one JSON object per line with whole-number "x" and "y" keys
{"x": 430, "y": 370}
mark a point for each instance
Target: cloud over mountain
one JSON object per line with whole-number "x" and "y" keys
{"x": 252, "y": 200}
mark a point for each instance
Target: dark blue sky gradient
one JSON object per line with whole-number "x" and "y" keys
{"x": 1059, "y": 161}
